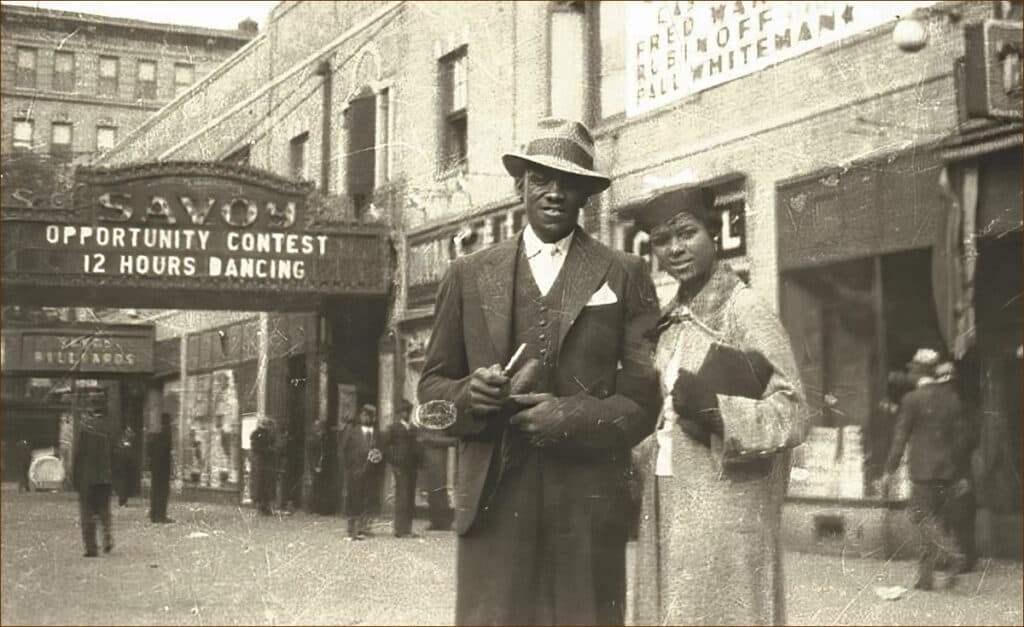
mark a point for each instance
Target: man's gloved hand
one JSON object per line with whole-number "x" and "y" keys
{"x": 696, "y": 402}
{"x": 541, "y": 419}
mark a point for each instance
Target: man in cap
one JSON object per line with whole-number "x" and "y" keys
{"x": 362, "y": 460}
{"x": 931, "y": 419}
{"x": 92, "y": 479}
{"x": 541, "y": 489}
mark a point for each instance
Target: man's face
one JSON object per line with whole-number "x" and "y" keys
{"x": 367, "y": 417}
{"x": 553, "y": 200}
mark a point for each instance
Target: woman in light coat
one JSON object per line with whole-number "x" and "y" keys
{"x": 715, "y": 470}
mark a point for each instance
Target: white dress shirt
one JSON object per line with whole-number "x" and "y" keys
{"x": 545, "y": 259}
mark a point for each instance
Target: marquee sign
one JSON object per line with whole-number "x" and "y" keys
{"x": 192, "y": 229}
{"x": 677, "y": 48}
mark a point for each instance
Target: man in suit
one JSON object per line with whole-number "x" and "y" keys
{"x": 362, "y": 461}
{"x": 92, "y": 479}
{"x": 541, "y": 490}
{"x": 403, "y": 453}
{"x": 160, "y": 470}
{"x": 931, "y": 418}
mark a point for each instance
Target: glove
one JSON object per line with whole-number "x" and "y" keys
{"x": 696, "y": 402}
{"x": 735, "y": 372}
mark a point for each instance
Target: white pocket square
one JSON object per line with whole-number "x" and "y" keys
{"x": 603, "y": 296}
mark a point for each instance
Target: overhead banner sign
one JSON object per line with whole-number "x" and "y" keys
{"x": 674, "y": 49}
{"x": 192, "y": 227}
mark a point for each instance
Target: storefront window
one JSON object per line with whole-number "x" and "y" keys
{"x": 212, "y": 433}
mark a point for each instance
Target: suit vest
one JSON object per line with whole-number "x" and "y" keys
{"x": 535, "y": 318}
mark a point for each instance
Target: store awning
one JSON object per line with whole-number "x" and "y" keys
{"x": 983, "y": 138}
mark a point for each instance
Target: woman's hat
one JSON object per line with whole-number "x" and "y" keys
{"x": 664, "y": 205}
{"x": 563, "y": 145}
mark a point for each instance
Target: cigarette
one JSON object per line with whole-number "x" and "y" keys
{"x": 514, "y": 362}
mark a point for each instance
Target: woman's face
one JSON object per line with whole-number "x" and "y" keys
{"x": 684, "y": 248}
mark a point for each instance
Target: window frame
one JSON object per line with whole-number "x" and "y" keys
{"x": 108, "y": 85}
{"x": 298, "y": 146}
{"x": 63, "y": 150}
{"x": 454, "y": 108}
{"x": 63, "y": 81}
{"x": 26, "y": 76}
{"x": 22, "y": 144}
{"x": 181, "y": 87}
{"x": 145, "y": 89}
{"x": 105, "y": 127}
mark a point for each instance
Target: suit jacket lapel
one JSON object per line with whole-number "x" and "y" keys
{"x": 584, "y": 269}
{"x": 495, "y": 283}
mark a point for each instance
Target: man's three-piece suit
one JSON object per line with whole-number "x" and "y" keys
{"x": 543, "y": 527}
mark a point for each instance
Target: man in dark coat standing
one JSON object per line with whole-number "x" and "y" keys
{"x": 931, "y": 418}
{"x": 160, "y": 470}
{"x": 22, "y": 463}
{"x": 403, "y": 453}
{"x": 362, "y": 461}
{"x": 124, "y": 456}
{"x": 264, "y": 470}
{"x": 541, "y": 495}
{"x": 92, "y": 478}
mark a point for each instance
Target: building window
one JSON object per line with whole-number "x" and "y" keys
{"x": 23, "y": 131}
{"x": 26, "y": 74}
{"x": 611, "y": 17}
{"x": 61, "y": 134}
{"x": 454, "y": 72}
{"x": 297, "y": 162}
{"x": 145, "y": 86}
{"x": 108, "y": 76}
{"x": 63, "y": 71}
{"x": 184, "y": 76}
{"x": 382, "y": 169}
{"x": 569, "y": 69}
{"x": 106, "y": 137}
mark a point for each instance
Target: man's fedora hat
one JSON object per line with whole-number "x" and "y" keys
{"x": 563, "y": 145}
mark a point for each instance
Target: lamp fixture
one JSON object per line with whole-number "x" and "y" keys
{"x": 911, "y": 31}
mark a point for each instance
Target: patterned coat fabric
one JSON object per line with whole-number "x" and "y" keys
{"x": 708, "y": 550}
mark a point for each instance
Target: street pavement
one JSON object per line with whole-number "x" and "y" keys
{"x": 223, "y": 565}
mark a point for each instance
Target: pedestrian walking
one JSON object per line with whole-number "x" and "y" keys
{"x": 714, "y": 472}
{"x": 92, "y": 480}
{"x": 403, "y": 453}
{"x": 160, "y": 470}
{"x": 264, "y": 469}
{"x": 362, "y": 460}
{"x": 931, "y": 420}
{"x": 541, "y": 495}
{"x": 22, "y": 464}
{"x": 125, "y": 460}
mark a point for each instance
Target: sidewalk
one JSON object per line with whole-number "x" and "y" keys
{"x": 223, "y": 565}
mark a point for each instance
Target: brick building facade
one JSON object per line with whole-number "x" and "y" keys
{"x": 74, "y": 84}
{"x": 827, "y": 156}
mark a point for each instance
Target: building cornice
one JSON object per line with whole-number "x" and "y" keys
{"x": 76, "y": 98}
{"x": 11, "y": 11}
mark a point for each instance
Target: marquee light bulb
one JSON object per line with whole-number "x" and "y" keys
{"x": 910, "y": 34}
